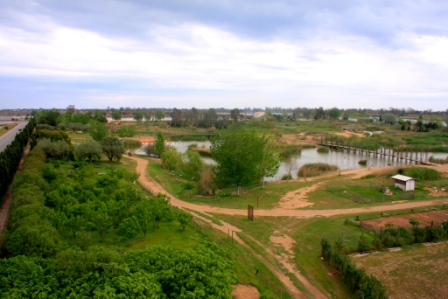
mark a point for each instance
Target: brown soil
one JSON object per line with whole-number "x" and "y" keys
{"x": 425, "y": 218}
{"x": 245, "y": 292}
{"x": 297, "y": 199}
{"x": 349, "y": 134}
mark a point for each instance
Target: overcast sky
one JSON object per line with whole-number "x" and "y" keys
{"x": 226, "y": 53}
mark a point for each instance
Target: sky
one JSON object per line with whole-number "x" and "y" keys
{"x": 226, "y": 53}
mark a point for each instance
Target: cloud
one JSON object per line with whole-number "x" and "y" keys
{"x": 224, "y": 53}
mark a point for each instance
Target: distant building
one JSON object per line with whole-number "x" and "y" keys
{"x": 404, "y": 183}
{"x": 258, "y": 114}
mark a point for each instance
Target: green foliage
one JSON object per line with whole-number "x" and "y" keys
{"x": 138, "y": 116}
{"x": 323, "y": 150}
{"x": 420, "y": 173}
{"x": 171, "y": 159}
{"x": 132, "y": 144}
{"x": 113, "y": 148}
{"x": 315, "y": 169}
{"x": 98, "y": 130}
{"x": 242, "y": 157}
{"x": 116, "y": 115}
{"x": 129, "y": 228}
{"x": 126, "y": 131}
{"x": 52, "y": 135}
{"x": 89, "y": 149}
{"x": 82, "y": 118}
{"x": 355, "y": 278}
{"x": 159, "y": 146}
{"x": 334, "y": 113}
{"x": 184, "y": 218}
{"x": 57, "y": 148}
{"x": 49, "y": 117}
{"x": 193, "y": 165}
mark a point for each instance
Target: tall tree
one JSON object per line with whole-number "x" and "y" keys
{"x": 113, "y": 148}
{"x": 235, "y": 114}
{"x": 239, "y": 154}
{"x": 159, "y": 146}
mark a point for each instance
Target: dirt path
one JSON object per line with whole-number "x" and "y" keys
{"x": 155, "y": 188}
{"x": 286, "y": 207}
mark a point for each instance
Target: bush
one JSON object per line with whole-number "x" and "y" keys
{"x": 362, "y": 162}
{"x": 315, "y": 169}
{"x": 323, "y": 150}
{"x": 287, "y": 177}
{"x": 424, "y": 174}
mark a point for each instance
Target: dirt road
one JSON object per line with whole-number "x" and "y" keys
{"x": 155, "y": 188}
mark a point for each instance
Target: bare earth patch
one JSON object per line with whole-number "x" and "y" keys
{"x": 245, "y": 292}
{"x": 297, "y": 199}
{"x": 425, "y": 218}
{"x": 416, "y": 272}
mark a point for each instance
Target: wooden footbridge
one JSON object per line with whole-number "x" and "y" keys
{"x": 391, "y": 154}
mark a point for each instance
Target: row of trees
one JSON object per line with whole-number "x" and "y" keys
{"x": 10, "y": 157}
{"x": 355, "y": 278}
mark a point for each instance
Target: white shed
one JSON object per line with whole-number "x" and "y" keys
{"x": 404, "y": 183}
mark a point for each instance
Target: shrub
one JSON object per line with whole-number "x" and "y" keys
{"x": 323, "y": 150}
{"x": 315, "y": 169}
{"x": 362, "y": 162}
{"x": 287, "y": 177}
{"x": 424, "y": 174}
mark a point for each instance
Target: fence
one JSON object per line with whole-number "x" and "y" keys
{"x": 228, "y": 242}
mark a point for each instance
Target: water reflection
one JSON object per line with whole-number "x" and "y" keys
{"x": 343, "y": 160}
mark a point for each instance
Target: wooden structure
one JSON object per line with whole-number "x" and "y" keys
{"x": 404, "y": 183}
{"x": 250, "y": 212}
{"x": 394, "y": 153}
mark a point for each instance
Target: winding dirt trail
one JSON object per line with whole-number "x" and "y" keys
{"x": 146, "y": 181}
{"x": 287, "y": 207}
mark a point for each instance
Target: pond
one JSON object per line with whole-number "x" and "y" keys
{"x": 343, "y": 160}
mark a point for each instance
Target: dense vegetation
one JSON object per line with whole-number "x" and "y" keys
{"x": 58, "y": 244}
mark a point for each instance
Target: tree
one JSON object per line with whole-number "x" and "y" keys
{"x": 144, "y": 213}
{"x": 129, "y": 228}
{"x": 113, "y": 148}
{"x": 414, "y": 222}
{"x": 160, "y": 144}
{"x": 161, "y": 208}
{"x": 138, "y": 116}
{"x": 116, "y": 115}
{"x": 334, "y": 113}
{"x": 98, "y": 130}
{"x": 193, "y": 165}
{"x": 235, "y": 114}
{"x": 319, "y": 113}
{"x": 89, "y": 149}
{"x": 184, "y": 218}
{"x": 57, "y": 148}
{"x": 103, "y": 222}
{"x": 159, "y": 114}
{"x": 171, "y": 159}
{"x": 389, "y": 118}
{"x": 241, "y": 156}
{"x": 271, "y": 159}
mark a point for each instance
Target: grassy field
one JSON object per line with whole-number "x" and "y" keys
{"x": 417, "y": 271}
{"x": 4, "y": 131}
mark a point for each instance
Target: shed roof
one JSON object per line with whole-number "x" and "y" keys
{"x": 402, "y": 178}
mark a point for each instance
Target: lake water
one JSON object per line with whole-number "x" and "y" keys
{"x": 343, "y": 160}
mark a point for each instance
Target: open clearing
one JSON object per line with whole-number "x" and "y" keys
{"x": 425, "y": 218}
{"x": 417, "y": 271}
